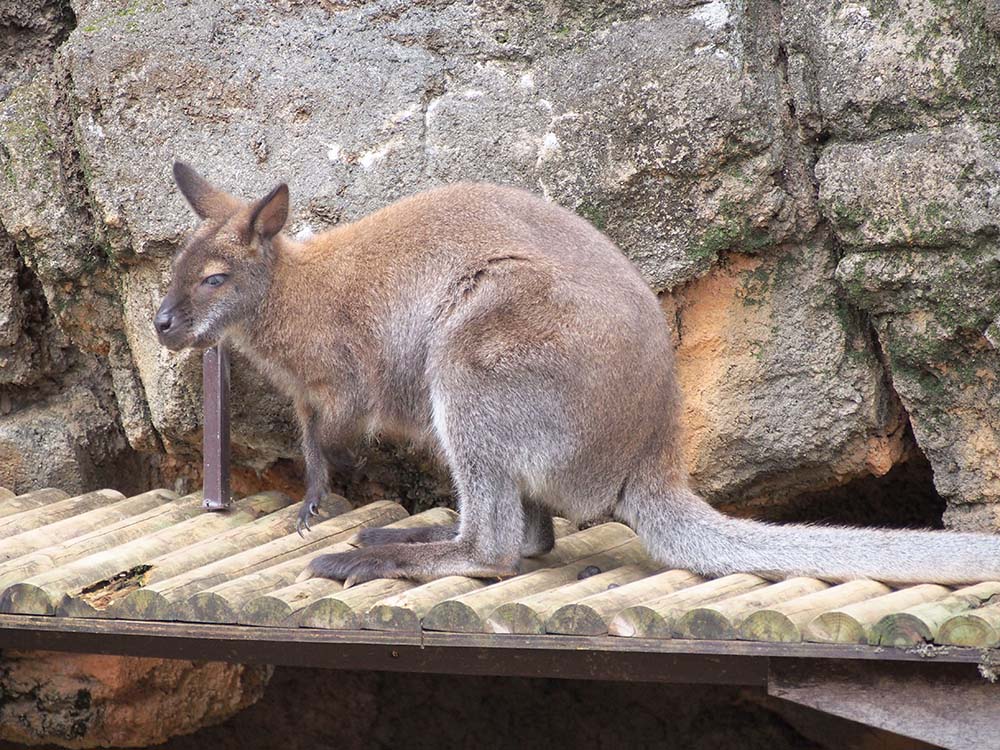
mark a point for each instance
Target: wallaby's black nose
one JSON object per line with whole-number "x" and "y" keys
{"x": 163, "y": 321}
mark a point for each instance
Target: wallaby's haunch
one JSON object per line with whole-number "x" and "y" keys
{"x": 515, "y": 339}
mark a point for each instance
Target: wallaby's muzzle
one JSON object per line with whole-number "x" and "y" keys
{"x": 171, "y": 326}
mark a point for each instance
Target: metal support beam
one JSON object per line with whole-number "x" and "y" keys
{"x": 215, "y": 382}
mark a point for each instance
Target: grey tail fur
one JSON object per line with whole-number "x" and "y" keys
{"x": 681, "y": 530}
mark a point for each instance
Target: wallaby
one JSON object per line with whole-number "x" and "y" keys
{"x": 515, "y": 339}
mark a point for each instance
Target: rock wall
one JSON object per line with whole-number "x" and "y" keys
{"x": 811, "y": 186}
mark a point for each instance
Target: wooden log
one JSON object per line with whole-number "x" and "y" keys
{"x": 562, "y": 527}
{"x": 270, "y": 526}
{"x": 850, "y": 624}
{"x": 529, "y": 614}
{"x": 30, "y": 500}
{"x": 979, "y": 628}
{"x": 66, "y": 588}
{"x": 270, "y": 514}
{"x": 655, "y": 618}
{"x": 6, "y": 494}
{"x": 347, "y": 609}
{"x": 721, "y": 620}
{"x": 920, "y": 623}
{"x": 783, "y": 622}
{"x": 279, "y": 606}
{"x": 592, "y": 615}
{"x": 282, "y": 606}
{"x": 580, "y": 544}
{"x": 75, "y": 526}
{"x": 571, "y": 545}
{"x": 224, "y": 602}
{"x": 468, "y": 613}
{"x": 56, "y": 511}
{"x": 163, "y": 515}
{"x": 157, "y": 600}
{"x": 403, "y": 612}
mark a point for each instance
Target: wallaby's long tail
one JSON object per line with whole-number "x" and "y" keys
{"x": 681, "y": 530}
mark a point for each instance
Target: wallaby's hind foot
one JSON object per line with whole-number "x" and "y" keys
{"x": 376, "y": 536}
{"x": 421, "y": 563}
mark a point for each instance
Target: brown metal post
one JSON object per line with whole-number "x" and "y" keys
{"x": 215, "y": 445}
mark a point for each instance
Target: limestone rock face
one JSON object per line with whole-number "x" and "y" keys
{"x": 810, "y": 185}
{"x": 758, "y": 339}
{"x": 914, "y": 213}
{"x": 84, "y": 701}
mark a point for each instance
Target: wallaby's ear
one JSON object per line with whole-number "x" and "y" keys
{"x": 206, "y": 201}
{"x": 270, "y": 213}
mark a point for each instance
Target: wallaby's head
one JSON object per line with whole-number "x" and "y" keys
{"x": 223, "y": 272}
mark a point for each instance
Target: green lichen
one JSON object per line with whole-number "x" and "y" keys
{"x": 756, "y": 285}
{"x": 734, "y": 233}
{"x": 27, "y": 134}
{"x": 596, "y": 215}
{"x": 925, "y": 225}
{"x": 962, "y": 78}
{"x": 8, "y": 168}
{"x": 125, "y": 18}
{"x": 846, "y": 215}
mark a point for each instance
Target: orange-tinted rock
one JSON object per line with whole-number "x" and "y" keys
{"x": 84, "y": 701}
{"x": 758, "y": 339}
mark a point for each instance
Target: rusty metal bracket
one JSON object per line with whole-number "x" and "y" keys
{"x": 215, "y": 445}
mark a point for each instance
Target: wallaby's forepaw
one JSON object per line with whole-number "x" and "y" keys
{"x": 309, "y": 509}
{"x": 377, "y": 536}
{"x": 356, "y": 566}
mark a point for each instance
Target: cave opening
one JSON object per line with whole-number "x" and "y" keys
{"x": 903, "y": 498}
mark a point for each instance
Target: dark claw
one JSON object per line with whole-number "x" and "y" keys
{"x": 309, "y": 509}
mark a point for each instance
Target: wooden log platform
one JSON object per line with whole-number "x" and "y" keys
{"x": 722, "y": 620}
{"x": 853, "y": 623}
{"x": 979, "y": 628}
{"x": 155, "y": 575}
{"x": 782, "y": 622}
{"x": 158, "y": 557}
{"x": 158, "y": 600}
{"x": 920, "y": 623}
{"x": 592, "y": 615}
{"x": 11, "y": 503}
{"x": 655, "y": 617}
{"x": 320, "y": 600}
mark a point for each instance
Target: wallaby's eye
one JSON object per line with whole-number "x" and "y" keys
{"x": 216, "y": 279}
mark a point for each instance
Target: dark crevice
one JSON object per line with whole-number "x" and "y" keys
{"x": 67, "y": 22}
{"x": 34, "y": 355}
{"x": 29, "y": 37}
{"x": 905, "y": 497}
